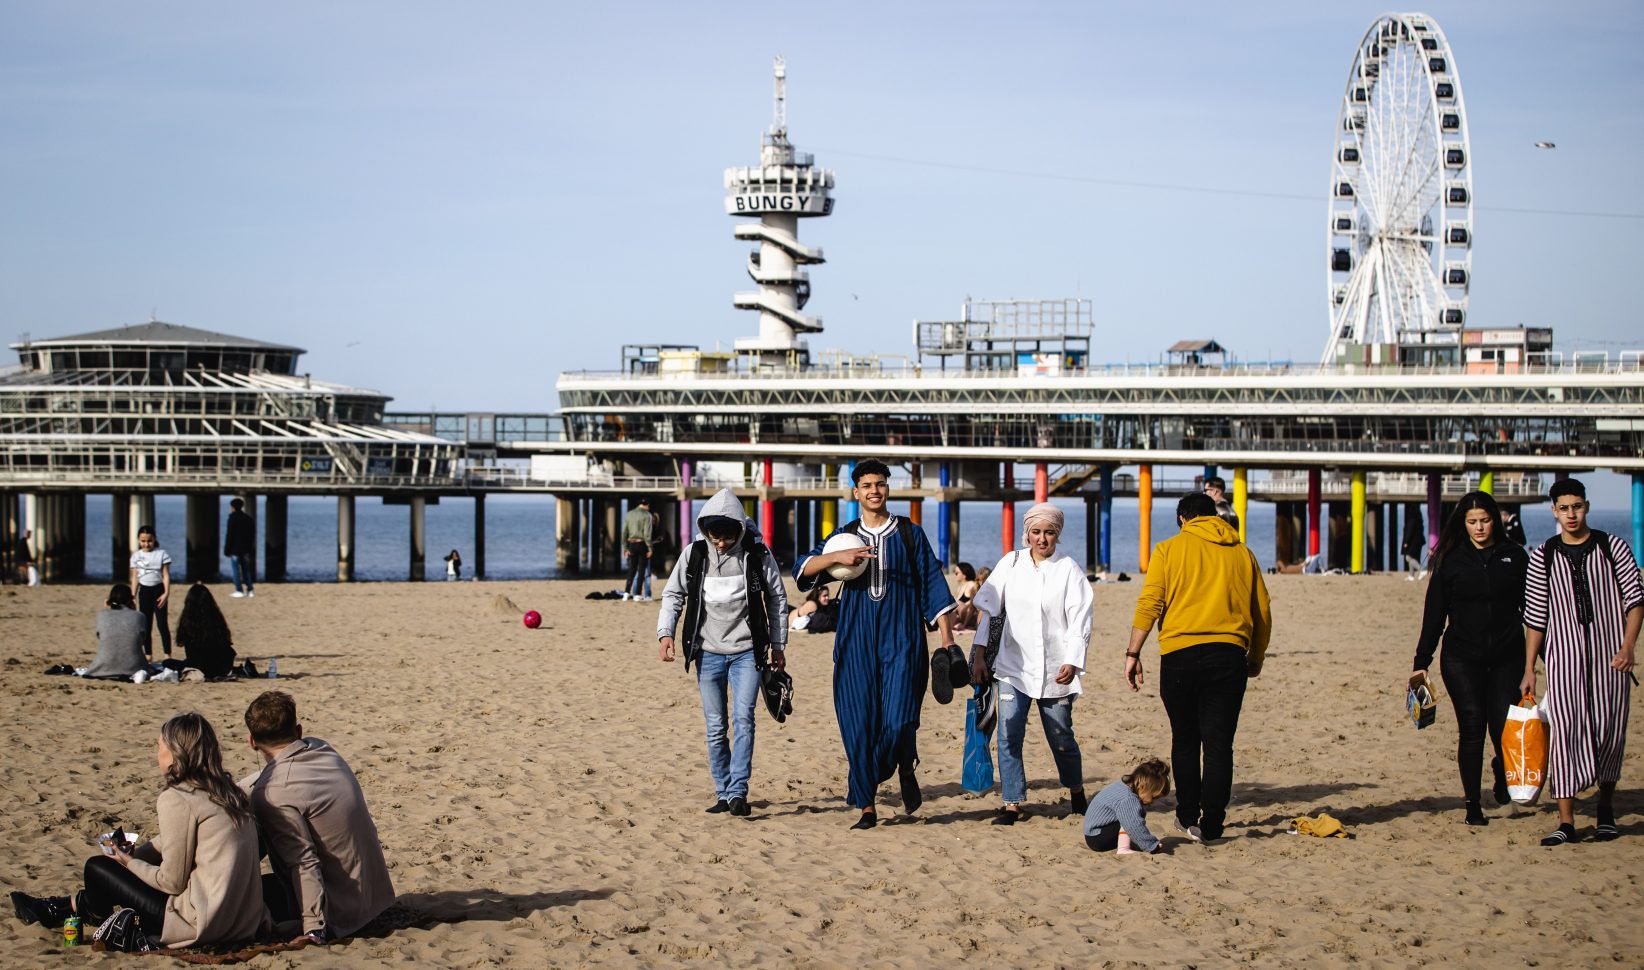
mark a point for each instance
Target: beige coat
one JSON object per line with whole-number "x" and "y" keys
{"x": 321, "y": 839}
{"x": 208, "y": 866}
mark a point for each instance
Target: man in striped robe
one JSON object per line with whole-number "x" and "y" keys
{"x": 1583, "y": 601}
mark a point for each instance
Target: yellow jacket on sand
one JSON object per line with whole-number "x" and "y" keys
{"x": 1204, "y": 586}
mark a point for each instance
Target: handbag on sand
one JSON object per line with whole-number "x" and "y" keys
{"x": 122, "y": 933}
{"x": 1524, "y": 750}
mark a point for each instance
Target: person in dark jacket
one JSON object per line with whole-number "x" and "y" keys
{"x": 203, "y": 634}
{"x": 240, "y": 546}
{"x": 1475, "y": 600}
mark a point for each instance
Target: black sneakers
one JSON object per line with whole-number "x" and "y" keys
{"x": 48, "y": 911}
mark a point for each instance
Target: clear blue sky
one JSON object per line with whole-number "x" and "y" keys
{"x": 454, "y": 202}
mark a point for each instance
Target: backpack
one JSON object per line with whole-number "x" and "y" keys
{"x": 1599, "y": 536}
{"x": 904, "y": 528}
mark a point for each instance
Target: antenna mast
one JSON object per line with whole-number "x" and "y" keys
{"x": 779, "y": 127}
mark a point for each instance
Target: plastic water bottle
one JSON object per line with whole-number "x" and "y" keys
{"x": 273, "y": 667}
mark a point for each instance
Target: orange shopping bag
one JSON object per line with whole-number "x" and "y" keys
{"x": 1524, "y": 749}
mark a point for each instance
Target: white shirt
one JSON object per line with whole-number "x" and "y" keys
{"x": 1047, "y": 621}
{"x": 148, "y": 565}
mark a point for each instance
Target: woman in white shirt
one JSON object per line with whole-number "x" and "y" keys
{"x": 1047, "y": 604}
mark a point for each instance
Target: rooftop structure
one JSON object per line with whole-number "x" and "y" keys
{"x": 785, "y": 187}
{"x": 1033, "y": 337}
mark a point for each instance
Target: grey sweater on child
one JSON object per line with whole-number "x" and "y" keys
{"x": 1118, "y": 803}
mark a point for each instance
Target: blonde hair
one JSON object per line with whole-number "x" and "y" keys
{"x": 1150, "y": 779}
{"x": 197, "y": 761}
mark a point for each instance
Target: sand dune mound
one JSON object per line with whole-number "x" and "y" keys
{"x": 502, "y": 604}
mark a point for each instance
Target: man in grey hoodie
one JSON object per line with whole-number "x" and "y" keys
{"x": 729, "y": 589}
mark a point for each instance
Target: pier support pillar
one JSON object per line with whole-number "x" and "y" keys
{"x": 1104, "y": 522}
{"x": 804, "y": 526}
{"x": 1144, "y": 504}
{"x": 916, "y": 505}
{"x": 1092, "y": 528}
{"x": 1284, "y": 534}
{"x": 11, "y": 529}
{"x": 944, "y": 512}
{"x": 1356, "y": 512}
{"x": 204, "y": 526}
{"x": 1241, "y": 499}
{"x": 479, "y": 536}
{"x": 1435, "y": 513}
{"x": 1007, "y": 512}
{"x": 1372, "y": 538}
{"x": 1487, "y": 482}
{"x": 274, "y": 537}
{"x": 345, "y": 538}
{"x": 687, "y": 473}
{"x": 1041, "y": 482}
{"x": 120, "y": 547}
{"x": 59, "y": 525}
{"x": 1340, "y": 552}
{"x": 419, "y": 538}
{"x": 1638, "y": 516}
{"x": 142, "y": 513}
{"x": 853, "y": 509}
{"x": 566, "y": 554}
{"x": 767, "y": 508}
{"x": 611, "y": 538}
{"x": 1314, "y": 501}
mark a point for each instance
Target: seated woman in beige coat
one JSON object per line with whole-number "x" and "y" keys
{"x": 198, "y": 881}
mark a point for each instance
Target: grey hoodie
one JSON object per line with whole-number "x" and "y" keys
{"x": 724, "y": 627}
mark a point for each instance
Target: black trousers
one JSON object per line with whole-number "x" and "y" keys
{"x": 148, "y": 602}
{"x": 1202, "y": 687}
{"x": 1481, "y": 691}
{"x": 1105, "y": 838}
{"x": 110, "y": 886}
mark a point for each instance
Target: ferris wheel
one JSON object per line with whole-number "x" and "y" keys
{"x": 1400, "y": 234}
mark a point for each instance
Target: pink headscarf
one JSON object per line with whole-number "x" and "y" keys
{"x": 1045, "y": 513}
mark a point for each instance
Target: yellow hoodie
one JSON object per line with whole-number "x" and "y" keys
{"x": 1204, "y": 586}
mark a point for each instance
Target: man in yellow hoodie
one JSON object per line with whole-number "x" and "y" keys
{"x": 1204, "y": 589}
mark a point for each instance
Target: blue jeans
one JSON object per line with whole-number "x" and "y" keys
{"x": 730, "y": 762}
{"x": 639, "y": 566}
{"x": 1056, "y": 713}
{"x": 242, "y": 570}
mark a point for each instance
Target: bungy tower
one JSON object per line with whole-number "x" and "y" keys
{"x": 785, "y": 187}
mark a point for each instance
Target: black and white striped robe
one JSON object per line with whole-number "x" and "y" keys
{"x": 1587, "y": 700}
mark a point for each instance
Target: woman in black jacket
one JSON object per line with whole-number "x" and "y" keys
{"x": 1475, "y": 599}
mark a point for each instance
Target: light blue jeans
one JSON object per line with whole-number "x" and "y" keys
{"x": 242, "y": 571}
{"x": 1056, "y": 713}
{"x": 729, "y": 761}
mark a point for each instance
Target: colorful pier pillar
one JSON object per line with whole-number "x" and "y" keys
{"x": 944, "y": 549}
{"x": 830, "y": 506}
{"x": 1315, "y": 488}
{"x": 1007, "y": 512}
{"x": 1638, "y": 516}
{"x": 853, "y": 509}
{"x": 916, "y": 505}
{"x": 687, "y": 526}
{"x": 1487, "y": 482}
{"x": 1356, "y": 559}
{"x": 1041, "y": 482}
{"x": 1435, "y": 509}
{"x": 1104, "y": 520}
{"x": 767, "y": 508}
{"x": 1241, "y": 498}
{"x": 1144, "y": 502}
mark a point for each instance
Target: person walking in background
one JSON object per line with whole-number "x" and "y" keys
{"x": 151, "y": 587}
{"x": 1217, "y": 490}
{"x": 879, "y": 652}
{"x": 660, "y": 546}
{"x": 1475, "y": 600}
{"x": 636, "y": 538}
{"x": 1583, "y": 602}
{"x": 1204, "y": 589}
{"x": 1045, "y": 601}
{"x": 453, "y": 566}
{"x": 1414, "y": 544}
{"x": 729, "y": 588}
{"x": 240, "y": 546}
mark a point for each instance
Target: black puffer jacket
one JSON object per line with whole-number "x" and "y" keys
{"x": 1475, "y": 599}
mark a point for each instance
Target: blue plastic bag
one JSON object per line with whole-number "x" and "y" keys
{"x": 978, "y": 774}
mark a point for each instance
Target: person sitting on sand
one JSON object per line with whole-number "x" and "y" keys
{"x": 195, "y": 883}
{"x": 1116, "y": 820}
{"x": 729, "y": 588}
{"x": 818, "y": 614}
{"x": 329, "y": 873}
{"x": 964, "y": 615}
{"x": 120, "y": 634}
{"x": 203, "y": 634}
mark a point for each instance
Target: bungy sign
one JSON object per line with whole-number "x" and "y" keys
{"x": 798, "y": 203}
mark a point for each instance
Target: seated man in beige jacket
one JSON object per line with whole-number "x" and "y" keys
{"x": 322, "y": 843}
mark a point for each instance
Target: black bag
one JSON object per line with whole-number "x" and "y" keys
{"x": 987, "y": 698}
{"x": 122, "y": 933}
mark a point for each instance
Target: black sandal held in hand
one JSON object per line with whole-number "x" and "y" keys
{"x": 941, "y": 681}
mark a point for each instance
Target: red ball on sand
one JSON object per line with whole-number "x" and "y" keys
{"x": 532, "y": 619}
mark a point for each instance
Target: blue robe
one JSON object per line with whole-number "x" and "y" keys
{"x": 881, "y": 663}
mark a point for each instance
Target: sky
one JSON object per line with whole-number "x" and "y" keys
{"x": 452, "y": 203}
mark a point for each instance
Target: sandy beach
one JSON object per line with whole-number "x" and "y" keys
{"x": 540, "y": 796}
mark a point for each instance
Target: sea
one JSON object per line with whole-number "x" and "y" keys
{"x": 519, "y": 535}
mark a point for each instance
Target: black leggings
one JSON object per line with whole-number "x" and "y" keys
{"x": 110, "y": 886}
{"x": 1481, "y": 691}
{"x": 1105, "y": 838}
{"x": 147, "y": 601}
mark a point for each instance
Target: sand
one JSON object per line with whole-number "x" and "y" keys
{"x": 540, "y": 796}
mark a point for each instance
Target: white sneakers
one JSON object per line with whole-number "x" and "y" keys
{"x": 239, "y": 595}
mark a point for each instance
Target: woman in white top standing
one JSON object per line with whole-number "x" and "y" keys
{"x": 1047, "y": 603}
{"x": 151, "y": 585}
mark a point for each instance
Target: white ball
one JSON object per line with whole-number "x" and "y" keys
{"x": 839, "y": 543}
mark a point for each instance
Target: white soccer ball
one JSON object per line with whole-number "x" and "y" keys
{"x": 839, "y": 543}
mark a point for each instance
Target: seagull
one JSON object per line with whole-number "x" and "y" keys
{"x": 1545, "y": 144}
